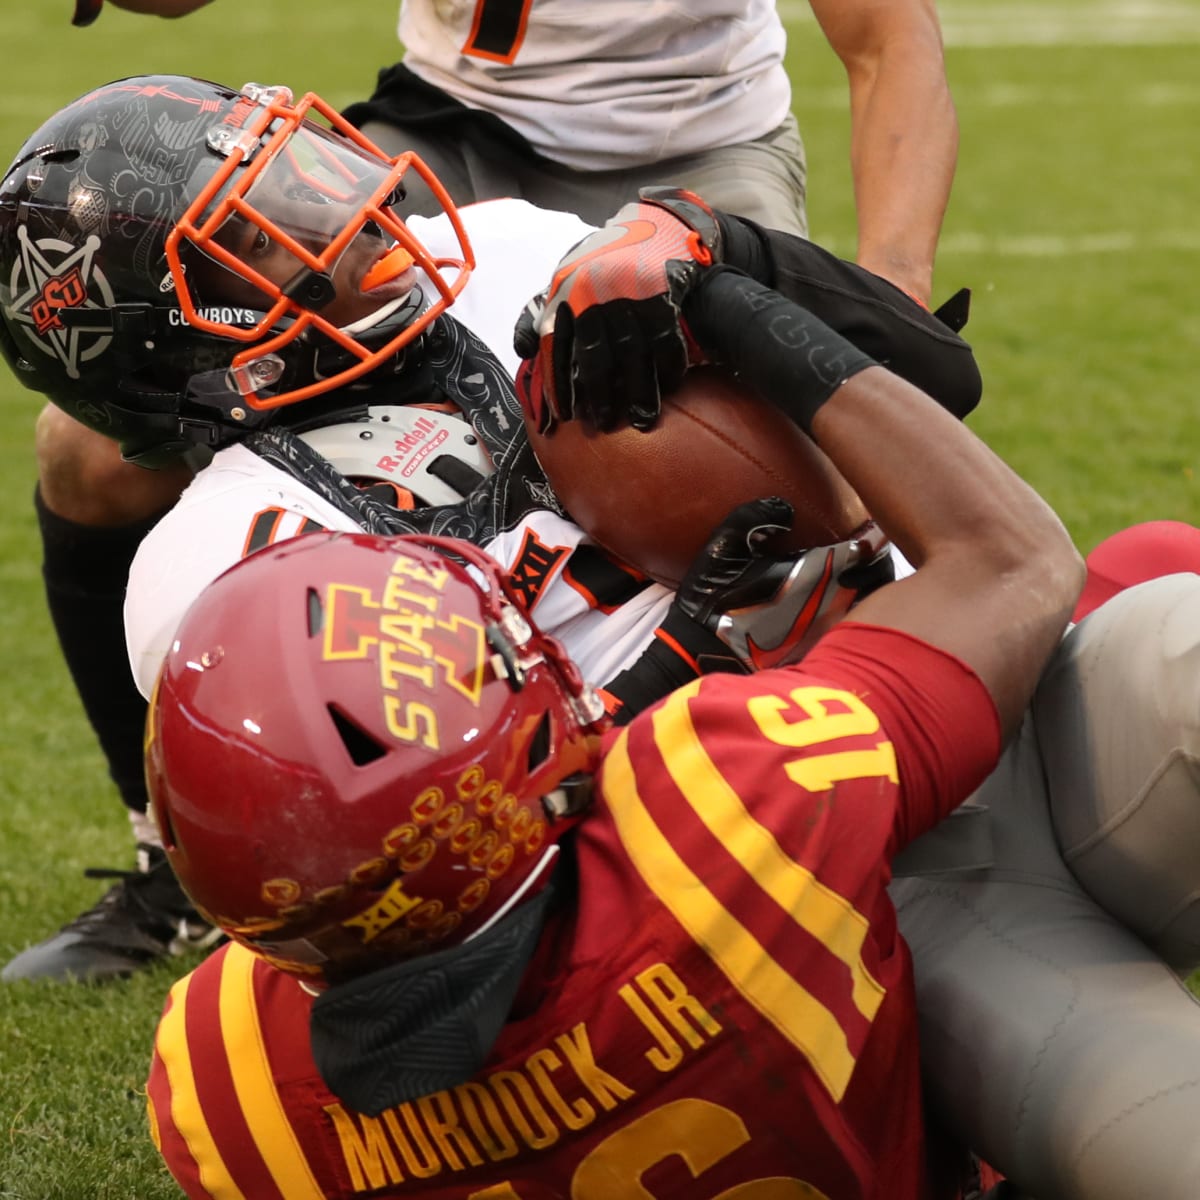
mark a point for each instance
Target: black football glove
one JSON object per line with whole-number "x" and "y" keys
{"x": 735, "y": 568}
{"x": 607, "y": 337}
{"x": 86, "y": 11}
{"x": 742, "y": 606}
{"x": 765, "y": 607}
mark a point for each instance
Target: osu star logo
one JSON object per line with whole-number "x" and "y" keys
{"x": 54, "y": 287}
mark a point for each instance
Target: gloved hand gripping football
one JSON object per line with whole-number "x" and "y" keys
{"x": 736, "y": 568}
{"x": 607, "y": 337}
{"x": 743, "y": 607}
{"x": 767, "y": 608}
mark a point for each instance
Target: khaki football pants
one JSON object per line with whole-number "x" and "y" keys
{"x": 763, "y": 180}
{"x": 1057, "y": 1041}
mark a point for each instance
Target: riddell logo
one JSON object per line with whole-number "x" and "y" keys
{"x": 238, "y": 114}
{"x": 412, "y": 448}
{"x": 420, "y": 431}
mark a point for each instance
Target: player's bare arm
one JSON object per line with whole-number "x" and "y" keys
{"x": 904, "y": 132}
{"x": 975, "y": 530}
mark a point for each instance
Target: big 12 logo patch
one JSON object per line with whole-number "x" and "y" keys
{"x": 51, "y": 278}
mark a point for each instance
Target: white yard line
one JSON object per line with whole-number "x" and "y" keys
{"x": 1019, "y": 95}
{"x": 1050, "y": 245}
{"x": 1072, "y": 246}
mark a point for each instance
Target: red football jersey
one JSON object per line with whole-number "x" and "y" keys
{"x": 726, "y": 1013}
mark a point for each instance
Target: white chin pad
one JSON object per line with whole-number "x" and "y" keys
{"x": 397, "y": 444}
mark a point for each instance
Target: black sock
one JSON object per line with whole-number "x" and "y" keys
{"x": 85, "y": 569}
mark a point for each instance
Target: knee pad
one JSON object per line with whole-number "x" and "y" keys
{"x": 1118, "y": 720}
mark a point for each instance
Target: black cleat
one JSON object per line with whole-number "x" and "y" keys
{"x": 139, "y": 920}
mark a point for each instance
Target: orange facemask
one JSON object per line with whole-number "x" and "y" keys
{"x": 298, "y": 225}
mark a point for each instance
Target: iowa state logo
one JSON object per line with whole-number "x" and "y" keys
{"x": 55, "y": 286}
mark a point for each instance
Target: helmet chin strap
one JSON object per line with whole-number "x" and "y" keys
{"x": 543, "y": 865}
{"x": 426, "y": 1024}
{"x": 414, "y": 299}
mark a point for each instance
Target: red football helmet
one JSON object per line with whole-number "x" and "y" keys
{"x": 359, "y": 751}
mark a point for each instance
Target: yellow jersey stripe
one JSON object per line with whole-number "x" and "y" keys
{"x": 257, "y": 1095}
{"x": 186, "y": 1113}
{"x": 818, "y": 910}
{"x": 794, "y": 1011}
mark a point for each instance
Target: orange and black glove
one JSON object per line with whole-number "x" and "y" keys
{"x": 607, "y": 336}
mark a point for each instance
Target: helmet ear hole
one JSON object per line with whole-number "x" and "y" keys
{"x": 539, "y": 744}
{"x": 166, "y": 829}
{"x": 316, "y": 613}
{"x": 362, "y": 748}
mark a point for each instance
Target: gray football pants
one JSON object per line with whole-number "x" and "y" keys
{"x": 763, "y": 180}
{"x": 1056, "y": 1041}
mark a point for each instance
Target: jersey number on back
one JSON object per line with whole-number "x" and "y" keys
{"x": 812, "y": 715}
{"x": 700, "y": 1132}
{"x": 498, "y": 29}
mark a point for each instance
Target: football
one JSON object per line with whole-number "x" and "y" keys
{"x": 654, "y": 498}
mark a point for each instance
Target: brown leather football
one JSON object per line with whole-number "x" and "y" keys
{"x": 654, "y": 498}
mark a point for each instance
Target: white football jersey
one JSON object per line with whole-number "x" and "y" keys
{"x": 517, "y": 247}
{"x": 608, "y": 85}
{"x": 239, "y": 503}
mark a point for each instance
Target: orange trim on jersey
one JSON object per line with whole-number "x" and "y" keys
{"x": 584, "y": 592}
{"x": 518, "y": 38}
{"x": 614, "y": 577}
{"x": 913, "y": 297}
{"x": 257, "y": 1095}
{"x": 254, "y": 535}
{"x": 677, "y": 647}
{"x": 825, "y": 916}
{"x": 186, "y": 1114}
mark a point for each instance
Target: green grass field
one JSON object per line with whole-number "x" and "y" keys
{"x": 1073, "y": 218}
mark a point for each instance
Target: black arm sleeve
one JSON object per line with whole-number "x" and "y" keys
{"x": 744, "y": 245}
{"x": 864, "y": 308}
{"x": 779, "y": 349}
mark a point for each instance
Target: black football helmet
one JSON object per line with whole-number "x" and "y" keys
{"x": 179, "y": 261}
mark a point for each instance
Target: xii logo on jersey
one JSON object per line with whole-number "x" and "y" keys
{"x": 533, "y": 567}
{"x": 55, "y": 286}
